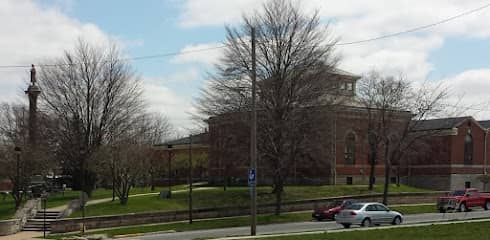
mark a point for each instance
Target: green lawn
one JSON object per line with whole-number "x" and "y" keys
{"x": 455, "y": 231}
{"x": 59, "y": 199}
{"x": 7, "y": 207}
{"x": 233, "y": 196}
{"x": 426, "y": 208}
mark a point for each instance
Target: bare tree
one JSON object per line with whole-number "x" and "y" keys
{"x": 396, "y": 107}
{"x": 158, "y": 130}
{"x": 294, "y": 62}
{"x": 19, "y": 159}
{"x": 94, "y": 95}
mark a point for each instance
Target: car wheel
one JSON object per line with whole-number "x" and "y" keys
{"x": 346, "y": 225}
{"x": 487, "y": 205}
{"x": 397, "y": 220}
{"x": 442, "y": 210}
{"x": 463, "y": 208}
{"x": 366, "y": 222}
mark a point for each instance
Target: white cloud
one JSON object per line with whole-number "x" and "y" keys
{"x": 358, "y": 19}
{"x": 472, "y": 85}
{"x": 31, "y": 33}
{"x": 214, "y": 12}
{"x": 161, "y": 98}
{"x": 194, "y": 55}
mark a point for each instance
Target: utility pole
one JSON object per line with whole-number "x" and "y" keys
{"x": 253, "y": 146}
{"x": 169, "y": 149}
{"x": 113, "y": 173}
{"x": 190, "y": 178}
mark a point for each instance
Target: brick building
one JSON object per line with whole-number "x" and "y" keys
{"x": 337, "y": 144}
{"x": 452, "y": 156}
{"x": 456, "y": 155}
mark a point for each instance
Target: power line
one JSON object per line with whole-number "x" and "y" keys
{"x": 416, "y": 29}
{"x": 162, "y": 55}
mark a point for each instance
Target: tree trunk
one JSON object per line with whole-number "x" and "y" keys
{"x": 152, "y": 180}
{"x": 372, "y": 174}
{"x": 123, "y": 200}
{"x": 278, "y": 190}
{"x": 18, "y": 199}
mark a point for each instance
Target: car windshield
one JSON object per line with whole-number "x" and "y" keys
{"x": 458, "y": 193}
{"x": 355, "y": 206}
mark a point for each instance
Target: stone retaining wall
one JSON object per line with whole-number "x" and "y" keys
{"x": 11, "y": 226}
{"x": 8, "y": 227}
{"x": 74, "y": 224}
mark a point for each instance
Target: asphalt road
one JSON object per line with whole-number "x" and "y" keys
{"x": 306, "y": 226}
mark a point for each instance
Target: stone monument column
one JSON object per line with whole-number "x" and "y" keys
{"x": 33, "y": 92}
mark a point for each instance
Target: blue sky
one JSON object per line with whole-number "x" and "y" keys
{"x": 455, "y": 53}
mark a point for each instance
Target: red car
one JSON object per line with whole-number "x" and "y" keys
{"x": 331, "y": 211}
{"x": 463, "y": 200}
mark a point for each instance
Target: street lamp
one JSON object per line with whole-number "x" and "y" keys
{"x": 18, "y": 151}
{"x": 44, "y": 197}
{"x": 190, "y": 178}
{"x": 169, "y": 148}
{"x": 83, "y": 194}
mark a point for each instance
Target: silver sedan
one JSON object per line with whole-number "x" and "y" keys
{"x": 368, "y": 214}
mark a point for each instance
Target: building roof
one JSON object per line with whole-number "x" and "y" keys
{"x": 201, "y": 138}
{"x": 439, "y": 124}
{"x": 344, "y": 73}
{"x": 485, "y": 123}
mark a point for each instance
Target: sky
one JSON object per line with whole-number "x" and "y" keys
{"x": 455, "y": 53}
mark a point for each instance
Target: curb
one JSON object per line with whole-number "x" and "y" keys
{"x": 349, "y": 230}
{"x": 128, "y": 235}
{"x": 142, "y": 234}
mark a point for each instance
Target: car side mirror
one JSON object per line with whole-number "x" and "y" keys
{"x": 466, "y": 194}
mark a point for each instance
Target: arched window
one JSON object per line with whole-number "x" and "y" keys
{"x": 468, "y": 149}
{"x": 350, "y": 149}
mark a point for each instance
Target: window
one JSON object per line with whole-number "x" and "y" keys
{"x": 371, "y": 208}
{"x": 342, "y": 86}
{"x": 350, "y": 149}
{"x": 381, "y": 208}
{"x": 350, "y": 86}
{"x": 348, "y": 180}
{"x": 393, "y": 180}
{"x": 467, "y": 184}
{"x": 468, "y": 149}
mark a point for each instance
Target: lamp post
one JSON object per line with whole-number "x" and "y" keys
{"x": 169, "y": 148}
{"x": 113, "y": 172}
{"x": 190, "y": 179}
{"x": 44, "y": 199}
{"x": 83, "y": 194}
{"x": 17, "y": 151}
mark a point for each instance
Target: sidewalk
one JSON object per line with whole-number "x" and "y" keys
{"x": 103, "y": 200}
{"x": 23, "y": 236}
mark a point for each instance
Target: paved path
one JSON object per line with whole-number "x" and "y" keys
{"x": 305, "y": 226}
{"x": 23, "y": 236}
{"x": 103, "y": 200}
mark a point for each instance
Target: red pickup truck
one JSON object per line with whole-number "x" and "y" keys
{"x": 463, "y": 200}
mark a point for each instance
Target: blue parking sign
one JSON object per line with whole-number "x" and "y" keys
{"x": 252, "y": 176}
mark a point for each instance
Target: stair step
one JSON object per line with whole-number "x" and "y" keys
{"x": 47, "y": 215}
{"x": 36, "y": 229}
{"x": 39, "y": 219}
